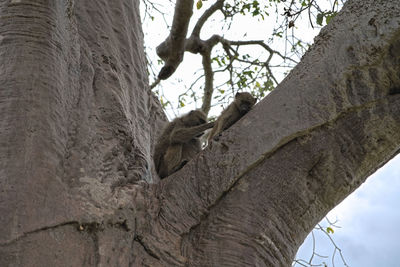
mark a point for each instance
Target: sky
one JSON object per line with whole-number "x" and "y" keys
{"x": 368, "y": 220}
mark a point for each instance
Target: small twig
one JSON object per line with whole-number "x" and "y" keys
{"x": 260, "y": 43}
{"x": 155, "y": 83}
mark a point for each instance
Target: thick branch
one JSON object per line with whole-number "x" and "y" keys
{"x": 172, "y": 49}
{"x": 332, "y": 122}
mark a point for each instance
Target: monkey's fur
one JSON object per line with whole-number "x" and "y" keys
{"x": 179, "y": 142}
{"x": 238, "y": 108}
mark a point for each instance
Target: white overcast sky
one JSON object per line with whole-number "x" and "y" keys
{"x": 369, "y": 219}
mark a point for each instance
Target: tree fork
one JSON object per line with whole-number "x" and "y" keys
{"x": 78, "y": 118}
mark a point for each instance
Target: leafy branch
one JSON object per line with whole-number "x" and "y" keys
{"x": 246, "y": 72}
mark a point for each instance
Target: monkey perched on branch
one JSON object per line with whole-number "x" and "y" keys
{"x": 238, "y": 108}
{"x": 179, "y": 142}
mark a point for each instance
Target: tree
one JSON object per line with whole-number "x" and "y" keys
{"x": 237, "y": 62}
{"x": 78, "y": 125}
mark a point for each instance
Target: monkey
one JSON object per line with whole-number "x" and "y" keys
{"x": 238, "y": 108}
{"x": 179, "y": 142}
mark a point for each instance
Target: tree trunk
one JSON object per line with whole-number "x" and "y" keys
{"x": 78, "y": 123}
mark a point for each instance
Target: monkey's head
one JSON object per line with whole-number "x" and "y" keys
{"x": 194, "y": 118}
{"x": 244, "y": 102}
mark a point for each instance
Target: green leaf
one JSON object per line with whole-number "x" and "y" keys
{"x": 330, "y": 16}
{"x": 199, "y": 4}
{"x": 320, "y": 18}
{"x": 329, "y": 230}
{"x": 248, "y": 73}
{"x": 328, "y": 19}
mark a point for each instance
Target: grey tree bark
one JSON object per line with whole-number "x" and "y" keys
{"x": 78, "y": 123}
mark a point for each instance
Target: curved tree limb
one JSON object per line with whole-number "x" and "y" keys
{"x": 311, "y": 142}
{"x": 260, "y": 43}
{"x": 206, "y": 15}
{"x": 172, "y": 49}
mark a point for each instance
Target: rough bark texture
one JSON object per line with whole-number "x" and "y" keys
{"x": 78, "y": 123}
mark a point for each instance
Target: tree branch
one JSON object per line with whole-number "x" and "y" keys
{"x": 172, "y": 49}
{"x": 206, "y": 15}
{"x": 260, "y": 43}
{"x": 209, "y": 79}
{"x": 299, "y": 152}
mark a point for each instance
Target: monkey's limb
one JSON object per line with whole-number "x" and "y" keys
{"x": 159, "y": 152}
{"x": 184, "y": 135}
{"x": 180, "y": 166}
{"x": 232, "y": 119}
{"x": 214, "y": 131}
{"x": 226, "y": 119}
{"x": 173, "y": 157}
